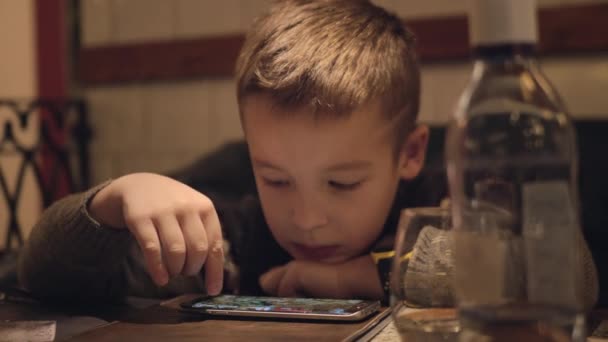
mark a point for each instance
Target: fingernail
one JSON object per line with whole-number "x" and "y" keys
{"x": 162, "y": 277}
{"x": 215, "y": 289}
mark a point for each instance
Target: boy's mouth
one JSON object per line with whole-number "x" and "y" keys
{"x": 316, "y": 252}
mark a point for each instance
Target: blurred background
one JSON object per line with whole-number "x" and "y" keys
{"x": 154, "y": 76}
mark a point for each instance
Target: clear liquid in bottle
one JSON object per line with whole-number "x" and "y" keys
{"x": 511, "y": 158}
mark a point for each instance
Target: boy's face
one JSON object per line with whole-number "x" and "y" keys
{"x": 327, "y": 185}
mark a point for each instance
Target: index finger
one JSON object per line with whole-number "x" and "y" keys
{"x": 214, "y": 265}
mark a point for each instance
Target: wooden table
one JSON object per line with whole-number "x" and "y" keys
{"x": 152, "y": 320}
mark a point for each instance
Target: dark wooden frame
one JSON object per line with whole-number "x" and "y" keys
{"x": 563, "y": 30}
{"x": 58, "y": 158}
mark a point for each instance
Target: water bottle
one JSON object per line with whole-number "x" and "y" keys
{"x": 511, "y": 160}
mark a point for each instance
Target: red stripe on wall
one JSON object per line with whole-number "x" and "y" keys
{"x": 563, "y": 30}
{"x": 51, "y": 63}
{"x": 51, "y": 48}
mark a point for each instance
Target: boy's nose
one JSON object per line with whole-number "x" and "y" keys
{"x": 308, "y": 218}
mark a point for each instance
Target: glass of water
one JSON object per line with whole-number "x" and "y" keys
{"x": 421, "y": 296}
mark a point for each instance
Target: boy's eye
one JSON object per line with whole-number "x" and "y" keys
{"x": 275, "y": 183}
{"x": 344, "y": 186}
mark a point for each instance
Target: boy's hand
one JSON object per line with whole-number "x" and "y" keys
{"x": 356, "y": 278}
{"x": 303, "y": 279}
{"x": 176, "y": 227}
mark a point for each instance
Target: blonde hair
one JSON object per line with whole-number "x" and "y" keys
{"x": 332, "y": 56}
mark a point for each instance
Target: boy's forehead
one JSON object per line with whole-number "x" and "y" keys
{"x": 264, "y": 105}
{"x": 263, "y": 121}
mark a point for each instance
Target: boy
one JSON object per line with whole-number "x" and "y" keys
{"x": 328, "y": 93}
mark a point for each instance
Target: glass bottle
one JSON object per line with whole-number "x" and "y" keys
{"x": 511, "y": 159}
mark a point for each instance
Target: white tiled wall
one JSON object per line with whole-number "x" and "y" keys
{"x": 251, "y": 9}
{"x": 433, "y": 8}
{"x": 224, "y": 119}
{"x": 581, "y": 81}
{"x": 17, "y": 69}
{"x": 118, "y": 21}
{"x": 441, "y": 86}
{"x": 18, "y": 80}
{"x": 159, "y": 127}
{"x": 137, "y": 20}
{"x": 150, "y": 127}
{"x": 97, "y": 22}
{"x": 196, "y": 18}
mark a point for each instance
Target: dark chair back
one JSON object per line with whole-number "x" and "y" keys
{"x": 48, "y": 138}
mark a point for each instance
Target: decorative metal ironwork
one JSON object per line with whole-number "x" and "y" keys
{"x": 52, "y": 137}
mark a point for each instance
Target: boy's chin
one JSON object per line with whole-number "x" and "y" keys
{"x": 335, "y": 258}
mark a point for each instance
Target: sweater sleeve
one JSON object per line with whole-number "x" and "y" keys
{"x": 71, "y": 257}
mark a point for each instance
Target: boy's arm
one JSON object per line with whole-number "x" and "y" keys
{"x": 361, "y": 279}
{"x": 355, "y": 278}
{"x": 70, "y": 257}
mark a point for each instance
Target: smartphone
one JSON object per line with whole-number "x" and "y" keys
{"x": 287, "y": 308}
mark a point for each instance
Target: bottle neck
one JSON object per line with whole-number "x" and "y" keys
{"x": 511, "y": 70}
{"x": 504, "y": 51}
{"x": 505, "y": 56}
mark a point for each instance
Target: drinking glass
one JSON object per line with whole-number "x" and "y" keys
{"x": 421, "y": 297}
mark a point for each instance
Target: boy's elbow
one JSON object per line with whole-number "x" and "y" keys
{"x": 43, "y": 282}
{"x": 28, "y": 275}
{"x": 59, "y": 285}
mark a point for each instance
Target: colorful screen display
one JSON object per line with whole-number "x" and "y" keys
{"x": 275, "y": 304}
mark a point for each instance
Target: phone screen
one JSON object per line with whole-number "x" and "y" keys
{"x": 345, "y": 307}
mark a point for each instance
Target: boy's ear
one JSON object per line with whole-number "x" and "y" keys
{"x": 413, "y": 153}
